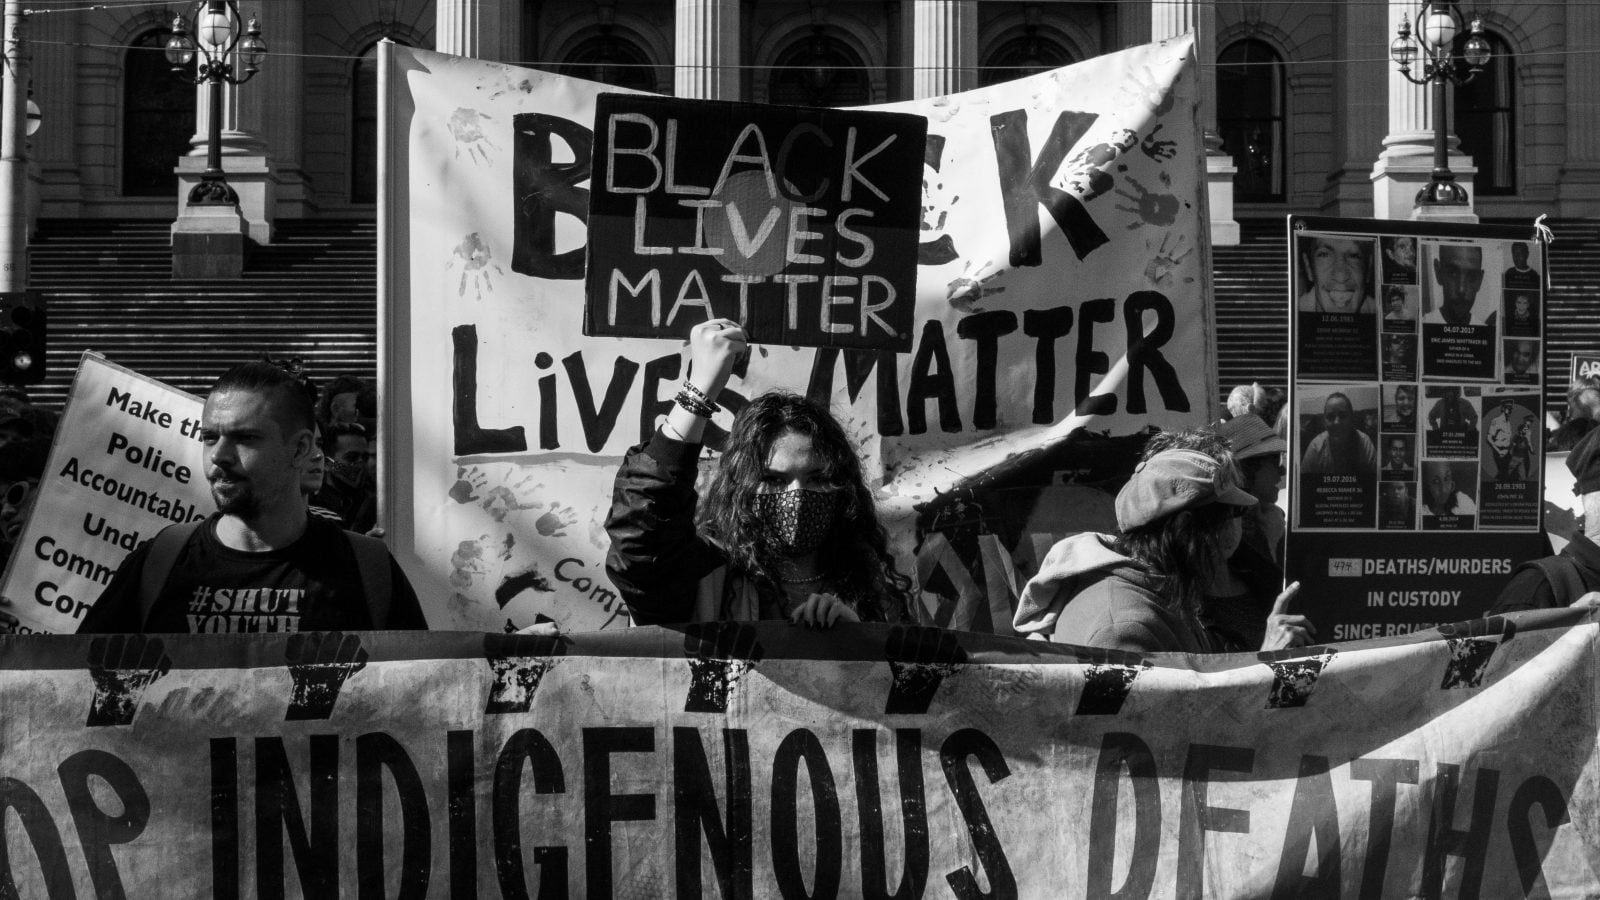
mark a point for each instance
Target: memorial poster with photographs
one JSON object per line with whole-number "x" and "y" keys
{"x": 1416, "y": 446}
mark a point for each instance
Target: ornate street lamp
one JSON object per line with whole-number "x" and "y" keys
{"x": 217, "y": 25}
{"x": 1438, "y": 26}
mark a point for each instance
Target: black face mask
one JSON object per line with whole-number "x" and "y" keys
{"x": 797, "y": 522}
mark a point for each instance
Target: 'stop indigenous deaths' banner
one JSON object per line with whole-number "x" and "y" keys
{"x": 126, "y": 463}
{"x": 1062, "y": 306}
{"x": 764, "y": 761}
{"x": 800, "y": 223}
{"x": 1417, "y": 392}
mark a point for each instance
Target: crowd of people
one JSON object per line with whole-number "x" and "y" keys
{"x": 785, "y": 528}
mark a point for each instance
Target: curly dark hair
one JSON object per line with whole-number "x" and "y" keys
{"x": 857, "y": 549}
{"x": 1185, "y": 549}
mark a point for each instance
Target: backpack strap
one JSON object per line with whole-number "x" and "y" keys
{"x": 158, "y": 562}
{"x": 372, "y": 562}
{"x": 1566, "y": 582}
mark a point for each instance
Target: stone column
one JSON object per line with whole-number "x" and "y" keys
{"x": 56, "y": 153}
{"x": 271, "y": 105}
{"x": 1356, "y": 106}
{"x": 1406, "y": 163}
{"x": 944, "y": 47}
{"x": 1580, "y": 176}
{"x": 706, "y": 37}
{"x": 14, "y": 152}
{"x": 1169, "y": 19}
{"x": 483, "y": 29}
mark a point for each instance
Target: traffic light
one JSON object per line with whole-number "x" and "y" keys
{"x": 21, "y": 337}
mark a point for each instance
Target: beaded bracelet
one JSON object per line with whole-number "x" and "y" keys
{"x": 694, "y": 404}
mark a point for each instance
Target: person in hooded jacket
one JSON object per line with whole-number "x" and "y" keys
{"x": 1144, "y": 590}
{"x": 786, "y": 528}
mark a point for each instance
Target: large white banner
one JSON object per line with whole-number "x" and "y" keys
{"x": 126, "y": 463}
{"x": 737, "y": 760}
{"x": 1063, "y": 284}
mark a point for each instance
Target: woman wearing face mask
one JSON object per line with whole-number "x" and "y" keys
{"x": 786, "y": 528}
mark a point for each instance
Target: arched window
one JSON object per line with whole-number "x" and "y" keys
{"x": 1485, "y": 120}
{"x": 364, "y": 129}
{"x": 612, "y": 60}
{"x": 1021, "y": 56}
{"x": 819, "y": 71}
{"x": 158, "y": 119}
{"x": 1250, "y": 113}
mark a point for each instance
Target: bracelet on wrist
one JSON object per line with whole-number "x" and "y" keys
{"x": 700, "y": 396}
{"x": 691, "y": 388}
{"x": 695, "y": 405}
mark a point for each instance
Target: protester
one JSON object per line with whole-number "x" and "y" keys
{"x": 1237, "y": 606}
{"x": 1562, "y": 579}
{"x": 261, "y": 562}
{"x": 1145, "y": 589}
{"x": 347, "y": 490}
{"x": 787, "y": 526}
{"x": 311, "y": 480}
{"x": 1255, "y": 399}
{"x": 340, "y": 401}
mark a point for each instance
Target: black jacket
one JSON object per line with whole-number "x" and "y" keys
{"x": 1530, "y": 589}
{"x": 657, "y": 558}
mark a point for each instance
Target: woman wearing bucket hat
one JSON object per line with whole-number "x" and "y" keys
{"x": 1145, "y": 589}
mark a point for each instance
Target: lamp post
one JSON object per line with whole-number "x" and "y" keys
{"x": 217, "y": 25}
{"x": 1438, "y": 26}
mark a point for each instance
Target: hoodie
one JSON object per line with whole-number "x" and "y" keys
{"x": 1086, "y": 593}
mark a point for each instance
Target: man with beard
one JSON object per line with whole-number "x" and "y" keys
{"x": 261, "y": 563}
{"x": 1341, "y": 449}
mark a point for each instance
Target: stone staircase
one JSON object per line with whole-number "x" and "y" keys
{"x": 1251, "y": 288}
{"x": 312, "y": 294}
{"x": 108, "y": 287}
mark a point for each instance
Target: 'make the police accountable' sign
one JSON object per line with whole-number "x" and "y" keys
{"x": 802, "y": 224}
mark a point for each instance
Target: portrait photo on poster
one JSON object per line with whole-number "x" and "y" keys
{"x": 1399, "y": 259}
{"x": 1520, "y": 313}
{"x": 1399, "y": 458}
{"x": 1399, "y": 357}
{"x": 1448, "y": 487}
{"x": 1452, "y": 420}
{"x": 1397, "y": 505}
{"x": 1400, "y": 307}
{"x": 1400, "y": 408}
{"x": 1521, "y": 356}
{"x": 1521, "y": 275}
{"x": 1336, "y": 306}
{"x": 1460, "y": 309}
{"x": 1337, "y": 433}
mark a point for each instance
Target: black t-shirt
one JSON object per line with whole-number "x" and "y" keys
{"x": 313, "y": 584}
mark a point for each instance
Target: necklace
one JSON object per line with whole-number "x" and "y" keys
{"x": 812, "y": 580}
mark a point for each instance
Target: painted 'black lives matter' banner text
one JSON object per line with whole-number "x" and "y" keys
{"x": 802, "y": 224}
